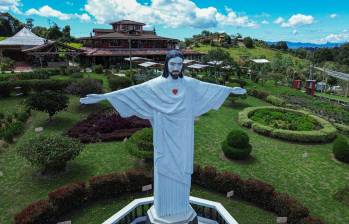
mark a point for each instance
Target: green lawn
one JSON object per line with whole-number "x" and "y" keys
{"x": 256, "y": 52}
{"x": 313, "y": 180}
{"x": 2, "y": 38}
{"x": 335, "y": 97}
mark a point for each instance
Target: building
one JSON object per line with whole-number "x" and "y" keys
{"x": 12, "y": 47}
{"x": 127, "y": 38}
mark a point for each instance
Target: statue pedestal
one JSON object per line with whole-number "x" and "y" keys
{"x": 189, "y": 218}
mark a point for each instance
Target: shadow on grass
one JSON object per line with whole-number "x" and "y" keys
{"x": 249, "y": 161}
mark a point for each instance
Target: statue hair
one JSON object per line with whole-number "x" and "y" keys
{"x": 172, "y": 54}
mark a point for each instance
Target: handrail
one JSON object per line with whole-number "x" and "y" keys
{"x": 129, "y": 212}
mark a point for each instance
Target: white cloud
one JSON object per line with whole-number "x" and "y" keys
{"x": 333, "y": 16}
{"x": 279, "y": 20}
{"x": 83, "y": 17}
{"x": 334, "y": 38}
{"x": 47, "y": 11}
{"x": 10, "y": 5}
{"x": 265, "y": 22}
{"x": 170, "y": 13}
{"x": 298, "y": 20}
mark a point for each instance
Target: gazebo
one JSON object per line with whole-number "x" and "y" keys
{"x": 12, "y": 47}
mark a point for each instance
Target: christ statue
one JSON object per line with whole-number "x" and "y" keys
{"x": 171, "y": 103}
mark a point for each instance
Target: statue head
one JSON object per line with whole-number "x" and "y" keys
{"x": 174, "y": 64}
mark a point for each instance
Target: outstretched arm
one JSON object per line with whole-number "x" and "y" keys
{"x": 92, "y": 98}
{"x": 128, "y": 102}
{"x": 209, "y": 96}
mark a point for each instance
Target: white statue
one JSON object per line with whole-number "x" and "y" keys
{"x": 171, "y": 102}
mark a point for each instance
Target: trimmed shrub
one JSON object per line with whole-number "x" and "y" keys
{"x": 341, "y": 149}
{"x": 236, "y": 145}
{"x": 98, "y": 69}
{"x": 84, "y": 87}
{"x": 48, "y": 101}
{"x": 276, "y": 101}
{"x": 311, "y": 220}
{"x": 50, "y": 152}
{"x": 136, "y": 179}
{"x": 342, "y": 127}
{"x": 11, "y": 130}
{"x": 284, "y": 205}
{"x": 257, "y": 192}
{"x": 39, "y": 212}
{"x": 140, "y": 144}
{"x": 106, "y": 186}
{"x": 258, "y": 94}
{"x": 326, "y": 133}
{"x": 241, "y": 82}
{"x": 117, "y": 82}
{"x": 68, "y": 197}
{"x": 22, "y": 116}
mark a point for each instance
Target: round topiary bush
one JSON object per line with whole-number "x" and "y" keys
{"x": 50, "y": 152}
{"x": 236, "y": 145}
{"x": 341, "y": 149}
{"x": 140, "y": 144}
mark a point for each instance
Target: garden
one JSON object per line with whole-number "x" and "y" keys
{"x": 236, "y": 147}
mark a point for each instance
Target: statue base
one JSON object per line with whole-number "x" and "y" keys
{"x": 190, "y": 218}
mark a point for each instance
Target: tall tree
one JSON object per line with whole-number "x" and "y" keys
{"x": 54, "y": 32}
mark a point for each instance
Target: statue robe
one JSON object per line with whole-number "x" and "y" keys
{"x": 171, "y": 106}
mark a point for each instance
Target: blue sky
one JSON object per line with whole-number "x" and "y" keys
{"x": 294, "y": 20}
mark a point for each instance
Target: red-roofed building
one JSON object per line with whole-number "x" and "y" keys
{"x": 127, "y": 38}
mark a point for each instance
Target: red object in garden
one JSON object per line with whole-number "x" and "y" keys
{"x": 310, "y": 87}
{"x": 297, "y": 84}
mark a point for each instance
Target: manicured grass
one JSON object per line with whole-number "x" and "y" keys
{"x": 313, "y": 180}
{"x": 2, "y": 38}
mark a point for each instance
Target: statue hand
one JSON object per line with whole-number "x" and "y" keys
{"x": 92, "y": 98}
{"x": 238, "y": 91}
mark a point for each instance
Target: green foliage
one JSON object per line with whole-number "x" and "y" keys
{"x": 276, "y": 101}
{"x": 6, "y": 64}
{"x": 265, "y": 124}
{"x": 236, "y": 145}
{"x": 118, "y": 82}
{"x": 248, "y": 42}
{"x": 85, "y": 86}
{"x": 140, "y": 144}
{"x": 98, "y": 69}
{"x": 50, "y": 152}
{"x": 343, "y": 195}
{"x": 341, "y": 149}
{"x": 48, "y": 101}
{"x": 11, "y": 130}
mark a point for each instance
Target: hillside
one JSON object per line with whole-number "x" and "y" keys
{"x": 241, "y": 51}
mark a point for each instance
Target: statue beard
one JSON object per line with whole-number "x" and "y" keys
{"x": 177, "y": 75}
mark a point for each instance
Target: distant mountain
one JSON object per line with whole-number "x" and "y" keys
{"x": 294, "y": 45}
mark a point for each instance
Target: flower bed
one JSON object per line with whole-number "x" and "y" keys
{"x": 69, "y": 197}
{"x": 302, "y": 126}
{"x": 106, "y": 126}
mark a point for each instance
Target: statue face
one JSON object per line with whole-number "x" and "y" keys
{"x": 175, "y": 66}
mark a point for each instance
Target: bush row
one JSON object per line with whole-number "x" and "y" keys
{"x": 44, "y": 73}
{"x": 325, "y": 134}
{"x": 112, "y": 185}
{"x": 75, "y": 195}
{"x": 254, "y": 191}
{"x": 37, "y": 85}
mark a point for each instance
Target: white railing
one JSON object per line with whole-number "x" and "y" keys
{"x": 128, "y": 210}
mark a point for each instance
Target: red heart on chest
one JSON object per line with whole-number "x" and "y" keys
{"x": 175, "y": 91}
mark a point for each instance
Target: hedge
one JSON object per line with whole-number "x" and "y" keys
{"x": 111, "y": 185}
{"x": 276, "y": 101}
{"x": 326, "y": 134}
